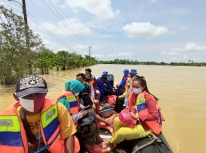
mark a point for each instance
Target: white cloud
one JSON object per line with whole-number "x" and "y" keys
{"x": 75, "y": 10}
{"x": 136, "y": 29}
{"x": 188, "y": 47}
{"x": 49, "y": 44}
{"x": 98, "y": 55}
{"x": 85, "y": 47}
{"x": 100, "y": 8}
{"x": 66, "y": 27}
{"x": 194, "y": 47}
{"x": 2, "y": 4}
{"x": 125, "y": 54}
{"x": 183, "y": 27}
{"x": 130, "y": 47}
{"x": 111, "y": 55}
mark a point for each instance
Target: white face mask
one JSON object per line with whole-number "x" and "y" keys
{"x": 27, "y": 104}
{"x": 32, "y": 105}
{"x": 76, "y": 94}
{"x": 137, "y": 90}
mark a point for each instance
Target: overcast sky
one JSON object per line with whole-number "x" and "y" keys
{"x": 143, "y": 30}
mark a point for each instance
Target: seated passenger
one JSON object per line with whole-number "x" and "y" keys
{"x": 85, "y": 94}
{"x": 145, "y": 112}
{"x": 104, "y": 86}
{"x": 121, "y": 86}
{"x": 78, "y": 111}
{"x": 88, "y": 78}
{"x": 119, "y": 105}
{"x": 96, "y": 93}
{"x": 35, "y": 123}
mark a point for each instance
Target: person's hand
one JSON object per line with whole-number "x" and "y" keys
{"x": 134, "y": 115}
{"x": 109, "y": 122}
{"x": 96, "y": 101}
{"x": 84, "y": 113}
{"x": 117, "y": 85}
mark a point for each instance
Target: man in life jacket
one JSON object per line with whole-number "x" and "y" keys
{"x": 35, "y": 123}
{"x": 94, "y": 82}
{"x": 121, "y": 86}
{"x": 104, "y": 86}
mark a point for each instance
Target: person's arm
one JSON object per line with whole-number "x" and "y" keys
{"x": 69, "y": 147}
{"x": 126, "y": 99}
{"x": 102, "y": 120}
{"x": 67, "y": 128}
{"x": 123, "y": 82}
{"x": 124, "y": 94}
{"x": 151, "y": 106}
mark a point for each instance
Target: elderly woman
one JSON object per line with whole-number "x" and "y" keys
{"x": 144, "y": 111}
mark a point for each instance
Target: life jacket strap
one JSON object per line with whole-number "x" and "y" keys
{"x": 30, "y": 135}
{"x": 46, "y": 146}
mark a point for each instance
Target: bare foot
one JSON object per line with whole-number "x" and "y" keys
{"x": 104, "y": 144}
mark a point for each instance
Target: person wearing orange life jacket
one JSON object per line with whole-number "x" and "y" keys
{"x": 35, "y": 123}
{"x": 133, "y": 75}
{"x": 94, "y": 82}
{"x": 120, "y": 101}
{"x": 70, "y": 95}
{"x": 144, "y": 109}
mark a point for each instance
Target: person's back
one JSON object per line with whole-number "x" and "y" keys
{"x": 121, "y": 86}
{"x": 43, "y": 120}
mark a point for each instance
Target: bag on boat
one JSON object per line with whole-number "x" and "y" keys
{"x": 88, "y": 119}
{"x": 126, "y": 118}
{"x": 111, "y": 99}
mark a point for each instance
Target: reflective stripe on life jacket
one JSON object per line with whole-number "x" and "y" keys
{"x": 155, "y": 125}
{"x": 128, "y": 84}
{"x": 74, "y": 105}
{"x": 13, "y": 135}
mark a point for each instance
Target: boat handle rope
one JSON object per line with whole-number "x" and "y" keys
{"x": 153, "y": 139}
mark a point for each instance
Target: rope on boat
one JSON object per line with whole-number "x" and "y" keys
{"x": 153, "y": 139}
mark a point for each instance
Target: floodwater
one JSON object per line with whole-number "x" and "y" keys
{"x": 181, "y": 90}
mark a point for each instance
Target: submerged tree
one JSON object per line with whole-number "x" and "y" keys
{"x": 14, "y": 53}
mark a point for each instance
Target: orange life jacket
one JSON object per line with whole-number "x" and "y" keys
{"x": 128, "y": 84}
{"x": 141, "y": 106}
{"x": 73, "y": 101}
{"x": 13, "y": 137}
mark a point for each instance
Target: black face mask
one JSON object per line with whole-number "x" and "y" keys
{"x": 105, "y": 78}
{"x": 88, "y": 80}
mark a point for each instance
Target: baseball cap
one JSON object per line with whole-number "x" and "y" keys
{"x": 105, "y": 73}
{"x": 134, "y": 71}
{"x": 126, "y": 71}
{"x": 30, "y": 84}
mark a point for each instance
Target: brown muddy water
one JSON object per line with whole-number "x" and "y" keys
{"x": 181, "y": 90}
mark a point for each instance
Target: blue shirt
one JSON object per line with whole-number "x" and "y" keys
{"x": 103, "y": 83}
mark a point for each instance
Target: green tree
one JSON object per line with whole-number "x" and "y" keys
{"x": 14, "y": 54}
{"x": 44, "y": 60}
{"x": 61, "y": 59}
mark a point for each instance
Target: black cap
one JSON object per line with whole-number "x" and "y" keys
{"x": 30, "y": 84}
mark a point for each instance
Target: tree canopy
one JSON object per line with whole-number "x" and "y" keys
{"x": 22, "y": 52}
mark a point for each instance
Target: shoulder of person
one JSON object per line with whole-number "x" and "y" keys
{"x": 149, "y": 96}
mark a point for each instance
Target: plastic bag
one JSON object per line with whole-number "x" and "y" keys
{"x": 126, "y": 118}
